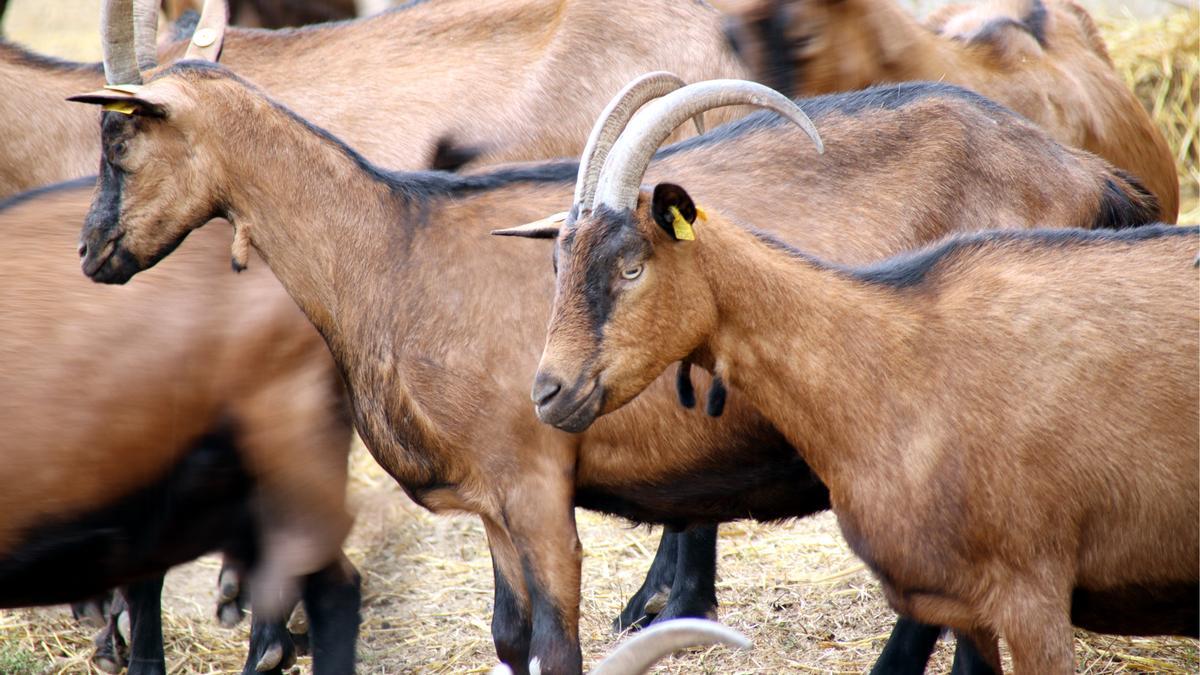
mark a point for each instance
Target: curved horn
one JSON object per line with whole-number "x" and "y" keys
{"x": 612, "y": 121}
{"x": 210, "y": 31}
{"x": 649, "y": 646}
{"x": 145, "y": 32}
{"x": 621, "y": 176}
{"x": 116, "y": 37}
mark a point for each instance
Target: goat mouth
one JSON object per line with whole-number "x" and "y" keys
{"x": 94, "y": 262}
{"x": 576, "y": 418}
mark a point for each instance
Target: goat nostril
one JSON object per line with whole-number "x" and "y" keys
{"x": 545, "y": 388}
{"x": 82, "y": 249}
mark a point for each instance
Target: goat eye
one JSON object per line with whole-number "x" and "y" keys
{"x": 631, "y": 273}
{"x": 118, "y": 149}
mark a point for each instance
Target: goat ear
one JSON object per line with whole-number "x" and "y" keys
{"x": 125, "y": 99}
{"x": 674, "y": 211}
{"x": 546, "y": 228}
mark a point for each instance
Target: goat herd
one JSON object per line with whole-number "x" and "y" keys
{"x": 1003, "y": 418}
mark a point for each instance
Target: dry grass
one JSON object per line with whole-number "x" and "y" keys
{"x": 794, "y": 589}
{"x": 1160, "y": 59}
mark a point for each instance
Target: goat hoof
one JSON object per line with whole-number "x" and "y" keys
{"x": 90, "y": 613}
{"x": 229, "y": 614}
{"x": 229, "y": 584}
{"x": 270, "y": 659}
{"x": 107, "y": 663}
{"x": 123, "y": 626}
{"x": 657, "y": 602}
{"x": 300, "y": 640}
{"x": 685, "y": 611}
{"x": 107, "y": 655}
{"x": 298, "y": 622}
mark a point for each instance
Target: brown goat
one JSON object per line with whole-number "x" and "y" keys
{"x": 148, "y": 426}
{"x": 438, "y": 377}
{"x": 401, "y": 85}
{"x": 1042, "y": 58}
{"x": 1006, "y": 421}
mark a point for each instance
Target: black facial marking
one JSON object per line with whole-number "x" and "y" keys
{"x": 611, "y": 239}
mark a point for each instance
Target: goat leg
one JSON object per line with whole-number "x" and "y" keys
{"x": 908, "y": 648}
{"x": 650, "y": 599}
{"x": 975, "y": 653}
{"x": 110, "y": 653}
{"x": 693, "y": 592}
{"x": 332, "y": 598}
{"x": 271, "y": 649}
{"x": 146, "y": 641}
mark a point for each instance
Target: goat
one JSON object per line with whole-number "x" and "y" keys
{"x": 435, "y": 378}
{"x": 272, "y": 13}
{"x": 1028, "y": 401}
{"x": 180, "y": 415}
{"x": 1042, "y": 58}
{"x": 427, "y": 78}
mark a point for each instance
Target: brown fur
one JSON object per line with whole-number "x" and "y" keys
{"x": 1018, "y": 426}
{"x": 1067, "y": 85}
{"x": 396, "y": 84}
{"x": 435, "y": 326}
{"x": 109, "y": 387}
{"x": 271, "y": 13}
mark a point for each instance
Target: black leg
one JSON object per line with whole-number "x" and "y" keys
{"x": 969, "y": 660}
{"x": 332, "y": 598}
{"x": 511, "y": 628}
{"x": 694, "y": 592}
{"x": 146, "y": 642}
{"x": 110, "y": 651}
{"x": 271, "y": 649}
{"x": 552, "y": 643}
{"x": 656, "y": 589}
{"x": 908, "y": 649}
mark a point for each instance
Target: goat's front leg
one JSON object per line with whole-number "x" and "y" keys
{"x": 511, "y": 626}
{"x": 656, "y": 589}
{"x": 332, "y": 599}
{"x": 540, "y": 518}
{"x": 146, "y": 639}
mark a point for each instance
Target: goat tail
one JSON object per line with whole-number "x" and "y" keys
{"x": 1125, "y": 203}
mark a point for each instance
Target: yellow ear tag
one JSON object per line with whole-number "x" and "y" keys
{"x": 683, "y": 229}
{"x": 123, "y": 107}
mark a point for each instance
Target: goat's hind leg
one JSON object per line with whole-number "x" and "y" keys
{"x": 694, "y": 592}
{"x": 652, "y": 597}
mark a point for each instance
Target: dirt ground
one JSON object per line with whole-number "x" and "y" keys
{"x": 794, "y": 589}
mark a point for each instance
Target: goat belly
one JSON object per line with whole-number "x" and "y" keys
{"x": 191, "y": 510}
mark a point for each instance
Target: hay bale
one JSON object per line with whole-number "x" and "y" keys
{"x": 1160, "y": 59}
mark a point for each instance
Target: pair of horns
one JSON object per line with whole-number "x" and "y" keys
{"x": 621, "y": 145}
{"x": 129, "y": 36}
{"x": 642, "y": 651}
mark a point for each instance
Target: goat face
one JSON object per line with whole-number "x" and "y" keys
{"x": 154, "y": 186}
{"x": 629, "y": 301}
